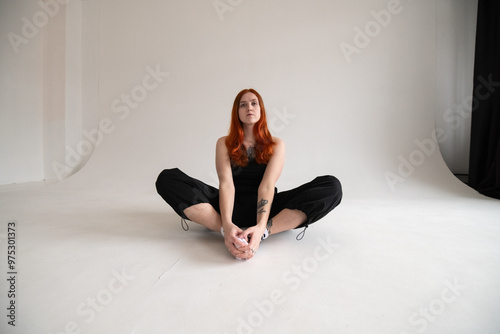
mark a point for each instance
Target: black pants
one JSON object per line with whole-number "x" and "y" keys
{"x": 316, "y": 198}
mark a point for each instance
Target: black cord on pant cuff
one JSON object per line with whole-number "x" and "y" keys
{"x": 301, "y": 234}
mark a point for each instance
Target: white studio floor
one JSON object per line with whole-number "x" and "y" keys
{"x": 104, "y": 259}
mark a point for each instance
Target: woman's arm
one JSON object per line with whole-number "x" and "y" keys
{"x": 266, "y": 188}
{"x": 226, "y": 199}
{"x": 226, "y": 185}
{"x": 266, "y": 195}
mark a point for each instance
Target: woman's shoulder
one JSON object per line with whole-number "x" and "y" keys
{"x": 221, "y": 140}
{"x": 221, "y": 144}
{"x": 278, "y": 141}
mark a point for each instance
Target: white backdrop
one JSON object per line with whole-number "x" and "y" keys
{"x": 341, "y": 82}
{"x": 351, "y": 88}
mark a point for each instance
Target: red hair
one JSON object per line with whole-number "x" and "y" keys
{"x": 263, "y": 140}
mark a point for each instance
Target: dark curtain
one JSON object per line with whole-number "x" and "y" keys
{"x": 484, "y": 163}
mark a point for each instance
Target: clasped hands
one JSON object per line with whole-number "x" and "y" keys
{"x": 243, "y": 244}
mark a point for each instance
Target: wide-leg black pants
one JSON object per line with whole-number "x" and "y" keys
{"x": 316, "y": 198}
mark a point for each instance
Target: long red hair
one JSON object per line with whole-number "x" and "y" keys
{"x": 263, "y": 140}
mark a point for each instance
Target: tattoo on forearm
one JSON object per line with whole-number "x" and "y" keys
{"x": 260, "y": 206}
{"x": 269, "y": 225}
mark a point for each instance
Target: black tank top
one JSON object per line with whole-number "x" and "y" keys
{"x": 246, "y": 185}
{"x": 247, "y": 179}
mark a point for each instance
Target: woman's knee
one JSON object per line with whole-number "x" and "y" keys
{"x": 334, "y": 186}
{"x": 166, "y": 177}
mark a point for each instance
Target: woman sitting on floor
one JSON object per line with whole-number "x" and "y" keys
{"x": 247, "y": 207}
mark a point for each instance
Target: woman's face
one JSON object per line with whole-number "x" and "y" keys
{"x": 249, "y": 109}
